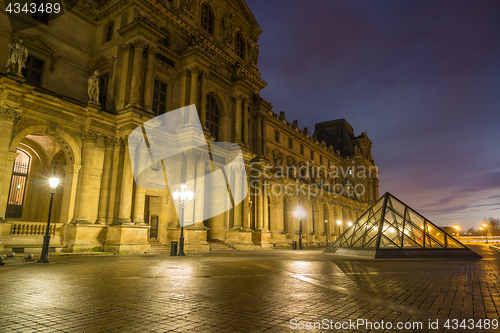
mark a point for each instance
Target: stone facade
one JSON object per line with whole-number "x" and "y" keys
{"x": 152, "y": 57}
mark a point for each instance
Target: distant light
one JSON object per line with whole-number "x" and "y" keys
{"x": 349, "y": 223}
{"x": 339, "y": 222}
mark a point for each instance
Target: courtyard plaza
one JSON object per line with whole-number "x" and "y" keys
{"x": 244, "y": 291}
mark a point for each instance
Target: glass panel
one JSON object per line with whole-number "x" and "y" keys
{"x": 417, "y": 220}
{"x": 452, "y": 243}
{"x": 437, "y": 234}
{"x": 391, "y": 232}
{"x": 371, "y": 243}
{"x": 413, "y": 235}
{"x": 385, "y": 243}
{"x": 396, "y": 205}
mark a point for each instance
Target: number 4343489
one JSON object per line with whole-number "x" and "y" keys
{"x": 471, "y": 324}
{"x": 33, "y": 8}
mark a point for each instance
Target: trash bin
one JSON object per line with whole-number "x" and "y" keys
{"x": 173, "y": 248}
{"x": 294, "y": 245}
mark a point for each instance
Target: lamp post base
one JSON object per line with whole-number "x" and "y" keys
{"x": 44, "y": 258}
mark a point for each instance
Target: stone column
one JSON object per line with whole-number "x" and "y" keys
{"x": 230, "y": 180}
{"x": 140, "y": 191}
{"x": 149, "y": 78}
{"x": 83, "y": 197}
{"x": 237, "y": 120}
{"x": 259, "y": 136}
{"x": 238, "y": 189}
{"x": 264, "y": 135}
{"x": 193, "y": 94}
{"x": 182, "y": 90}
{"x": 190, "y": 158}
{"x": 102, "y": 215}
{"x": 135, "y": 90}
{"x": 259, "y": 198}
{"x": 265, "y": 210}
{"x": 123, "y": 87}
{"x": 7, "y": 117}
{"x": 69, "y": 184}
{"x": 127, "y": 181}
{"x": 223, "y": 128}
{"x": 203, "y": 98}
{"x": 246, "y": 207}
{"x": 199, "y": 189}
{"x": 245, "y": 122}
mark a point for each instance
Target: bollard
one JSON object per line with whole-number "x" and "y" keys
{"x": 1, "y": 260}
{"x": 11, "y": 255}
{"x": 294, "y": 245}
{"x": 28, "y": 257}
{"x": 173, "y": 248}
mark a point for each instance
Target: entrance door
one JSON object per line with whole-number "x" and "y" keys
{"x": 153, "y": 232}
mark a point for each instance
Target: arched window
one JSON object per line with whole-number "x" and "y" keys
{"x": 207, "y": 18}
{"x": 239, "y": 46}
{"x": 212, "y": 117}
{"x": 18, "y": 183}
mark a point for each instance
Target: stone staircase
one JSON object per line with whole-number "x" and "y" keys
{"x": 156, "y": 247}
{"x": 217, "y": 245}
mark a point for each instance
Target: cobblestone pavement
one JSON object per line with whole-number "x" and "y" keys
{"x": 259, "y": 291}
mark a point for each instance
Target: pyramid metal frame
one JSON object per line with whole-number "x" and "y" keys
{"x": 392, "y": 229}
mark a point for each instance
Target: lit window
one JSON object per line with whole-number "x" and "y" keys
{"x": 159, "y": 98}
{"x": 18, "y": 185}
{"x": 207, "y": 19}
{"x": 212, "y": 116}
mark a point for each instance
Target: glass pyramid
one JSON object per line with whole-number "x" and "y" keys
{"x": 389, "y": 228}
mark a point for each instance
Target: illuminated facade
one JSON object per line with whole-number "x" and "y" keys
{"x": 153, "y": 57}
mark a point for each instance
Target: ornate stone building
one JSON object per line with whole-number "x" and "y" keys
{"x": 100, "y": 70}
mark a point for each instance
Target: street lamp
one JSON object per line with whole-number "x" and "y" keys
{"x": 44, "y": 258}
{"x": 457, "y": 228}
{"x": 481, "y": 229}
{"x": 299, "y": 213}
{"x": 326, "y": 231}
{"x": 339, "y": 223}
{"x": 485, "y": 226}
{"x": 182, "y": 198}
{"x": 349, "y": 224}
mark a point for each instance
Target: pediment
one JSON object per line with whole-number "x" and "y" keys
{"x": 103, "y": 63}
{"x": 40, "y": 44}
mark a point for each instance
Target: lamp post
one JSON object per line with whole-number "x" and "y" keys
{"x": 299, "y": 213}
{"x": 485, "y": 226}
{"x": 44, "y": 258}
{"x": 326, "y": 231}
{"x": 339, "y": 223}
{"x": 182, "y": 198}
{"x": 481, "y": 229}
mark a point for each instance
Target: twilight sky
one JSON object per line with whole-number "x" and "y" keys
{"x": 421, "y": 77}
